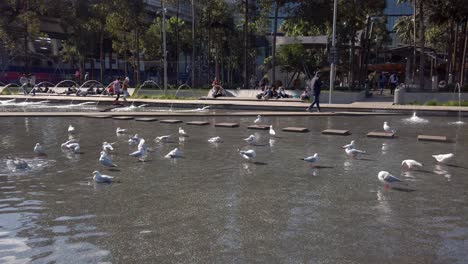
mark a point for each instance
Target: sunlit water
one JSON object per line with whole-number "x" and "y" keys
{"x": 214, "y": 207}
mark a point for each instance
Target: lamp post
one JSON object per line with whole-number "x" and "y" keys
{"x": 164, "y": 48}
{"x": 193, "y": 44}
{"x": 333, "y": 66}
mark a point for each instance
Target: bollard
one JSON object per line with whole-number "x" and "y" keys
{"x": 398, "y": 97}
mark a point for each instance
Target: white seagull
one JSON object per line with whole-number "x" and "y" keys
{"x": 350, "y": 145}
{"x": 105, "y": 160}
{"x": 107, "y": 146}
{"x": 64, "y": 145}
{"x": 410, "y": 164}
{"x": 251, "y": 139}
{"x": 258, "y": 120}
{"x": 71, "y": 129}
{"x": 182, "y": 132}
{"x": 353, "y": 152}
{"x": 215, "y": 140}
{"x": 141, "y": 152}
{"x": 387, "y": 178}
{"x": 99, "y": 178}
{"x": 121, "y": 130}
{"x": 38, "y": 149}
{"x": 163, "y": 138}
{"x": 312, "y": 159}
{"x": 443, "y": 158}
{"x": 134, "y": 140}
{"x": 248, "y": 154}
{"x": 175, "y": 153}
{"x": 387, "y": 128}
{"x": 272, "y": 131}
{"x": 72, "y": 145}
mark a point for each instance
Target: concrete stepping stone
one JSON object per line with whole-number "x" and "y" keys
{"x": 146, "y": 119}
{"x": 99, "y": 116}
{"x": 231, "y": 125}
{"x": 123, "y": 117}
{"x": 381, "y": 135}
{"x": 338, "y": 132}
{"x": 197, "y": 123}
{"x": 432, "y": 138}
{"x": 171, "y": 121}
{"x": 296, "y": 129}
{"x": 258, "y": 127}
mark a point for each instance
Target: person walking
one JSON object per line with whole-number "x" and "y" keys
{"x": 382, "y": 82}
{"x": 125, "y": 86}
{"x": 393, "y": 82}
{"x": 117, "y": 87}
{"x": 316, "y": 86}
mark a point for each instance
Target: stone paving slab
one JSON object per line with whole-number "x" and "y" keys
{"x": 296, "y": 129}
{"x": 230, "y": 125}
{"x": 146, "y": 119}
{"x": 171, "y": 121}
{"x": 338, "y": 132}
{"x": 99, "y": 116}
{"x": 123, "y": 117}
{"x": 258, "y": 127}
{"x": 198, "y": 123}
{"x": 432, "y": 138}
{"x": 380, "y": 135}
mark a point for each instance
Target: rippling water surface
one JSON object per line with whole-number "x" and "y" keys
{"x": 214, "y": 207}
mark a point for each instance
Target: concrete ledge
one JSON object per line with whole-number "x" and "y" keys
{"x": 259, "y": 127}
{"x": 123, "y": 117}
{"x": 338, "y": 132}
{"x": 231, "y": 125}
{"x": 432, "y": 138}
{"x": 296, "y": 129}
{"x": 146, "y": 119}
{"x": 171, "y": 121}
{"x": 198, "y": 123}
{"x": 380, "y": 135}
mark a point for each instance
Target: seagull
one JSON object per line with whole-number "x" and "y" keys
{"x": 17, "y": 164}
{"x": 105, "y": 160}
{"x": 350, "y": 145}
{"x": 99, "y": 178}
{"x": 387, "y": 178}
{"x": 272, "y": 132}
{"x": 134, "y": 140}
{"x": 163, "y": 138}
{"x": 410, "y": 164}
{"x": 107, "y": 146}
{"x": 64, "y": 145}
{"x": 251, "y": 139}
{"x": 175, "y": 153}
{"x": 248, "y": 154}
{"x": 141, "y": 152}
{"x": 312, "y": 159}
{"x": 142, "y": 105}
{"x": 443, "y": 158}
{"x": 38, "y": 149}
{"x": 71, "y": 129}
{"x": 182, "y": 132}
{"x": 353, "y": 152}
{"x": 72, "y": 145}
{"x": 387, "y": 128}
{"x": 215, "y": 140}
{"x": 121, "y": 130}
{"x": 258, "y": 120}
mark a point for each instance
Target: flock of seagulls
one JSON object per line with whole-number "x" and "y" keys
{"x": 141, "y": 153}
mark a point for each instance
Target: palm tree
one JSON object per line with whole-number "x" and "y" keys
{"x": 404, "y": 29}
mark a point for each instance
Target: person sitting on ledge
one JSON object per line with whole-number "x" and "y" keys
{"x": 274, "y": 93}
{"x": 218, "y": 90}
{"x": 305, "y": 95}
{"x": 282, "y": 93}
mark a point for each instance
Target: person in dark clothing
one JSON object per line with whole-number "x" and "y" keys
{"x": 316, "y": 86}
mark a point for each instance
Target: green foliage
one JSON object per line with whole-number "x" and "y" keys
{"x": 404, "y": 28}
{"x": 431, "y": 103}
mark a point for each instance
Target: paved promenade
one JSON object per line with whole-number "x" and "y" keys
{"x": 289, "y": 107}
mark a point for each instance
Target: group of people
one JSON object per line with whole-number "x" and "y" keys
{"x": 120, "y": 88}
{"x": 270, "y": 92}
{"x": 384, "y": 81}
